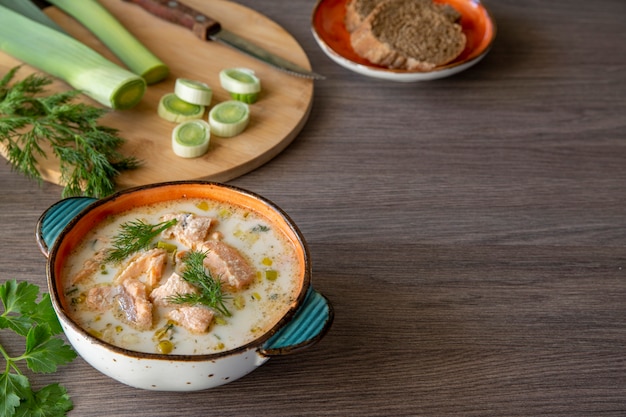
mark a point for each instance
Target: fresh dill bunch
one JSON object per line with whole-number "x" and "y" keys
{"x": 210, "y": 288}
{"x": 134, "y": 236}
{"x": 31, "y": 122}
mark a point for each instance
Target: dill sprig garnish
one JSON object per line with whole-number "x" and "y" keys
{"x": 210, "y": 288}
{"x": 134, "y": 236}
{"x": 87, "y": 151}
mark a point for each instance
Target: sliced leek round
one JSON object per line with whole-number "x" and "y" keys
{"x": 190, "y": 139}
{"x": 241, "y": 83}
{"x": 229, "y": 118}
{"x": 173, "y": 109}
{"x": 194, "y": 92}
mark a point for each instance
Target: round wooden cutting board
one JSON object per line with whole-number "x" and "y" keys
{"x": 276, "y": 119}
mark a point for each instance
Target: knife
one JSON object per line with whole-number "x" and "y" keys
{"x": 207, "y": 28}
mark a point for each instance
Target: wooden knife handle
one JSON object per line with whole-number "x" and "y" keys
{"x": 176, "y": 12}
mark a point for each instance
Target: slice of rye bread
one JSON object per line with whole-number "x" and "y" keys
{"x": 416, "y": 35}
{"x": 357, "y": 11}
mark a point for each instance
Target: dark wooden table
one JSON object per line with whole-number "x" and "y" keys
{"x": 470, "y": 232}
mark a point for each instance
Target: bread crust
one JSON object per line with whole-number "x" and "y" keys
{"x": 416, "y": 35}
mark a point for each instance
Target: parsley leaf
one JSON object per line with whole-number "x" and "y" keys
{"x": 18, "y": 300}
{"x": 43, "y": 313}
{"x": 44, "y": 352}
{"x": 50, "y": 401}
{"x": 15, "y": 387}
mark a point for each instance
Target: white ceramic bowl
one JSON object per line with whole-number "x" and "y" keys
{"x": 61, "y": 227}
{"x": 331, "y": 35}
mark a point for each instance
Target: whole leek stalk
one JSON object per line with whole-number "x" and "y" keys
{"x": 66, "y": 58}
{"x": 29, "y": 9}
{"x": 116, "y": 37}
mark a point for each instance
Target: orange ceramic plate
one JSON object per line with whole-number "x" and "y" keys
{"x": 331, "y": 34}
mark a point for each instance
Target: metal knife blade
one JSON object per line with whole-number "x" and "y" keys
{"x": 207, "y": 28}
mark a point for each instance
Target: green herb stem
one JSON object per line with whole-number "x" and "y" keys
{"x": 210, "y": 288}
{"x": 134, "y": 236}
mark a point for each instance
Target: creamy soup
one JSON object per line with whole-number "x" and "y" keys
{"x": 132, "y": 303}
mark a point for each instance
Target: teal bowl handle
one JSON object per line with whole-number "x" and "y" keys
{"x": 307, "y": 327}
{"x": 55, "y": 218}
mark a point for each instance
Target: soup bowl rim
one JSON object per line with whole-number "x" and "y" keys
{"x": 99, "y": 204}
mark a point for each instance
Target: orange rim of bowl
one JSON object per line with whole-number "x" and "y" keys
{"x": 476, "y": 22}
